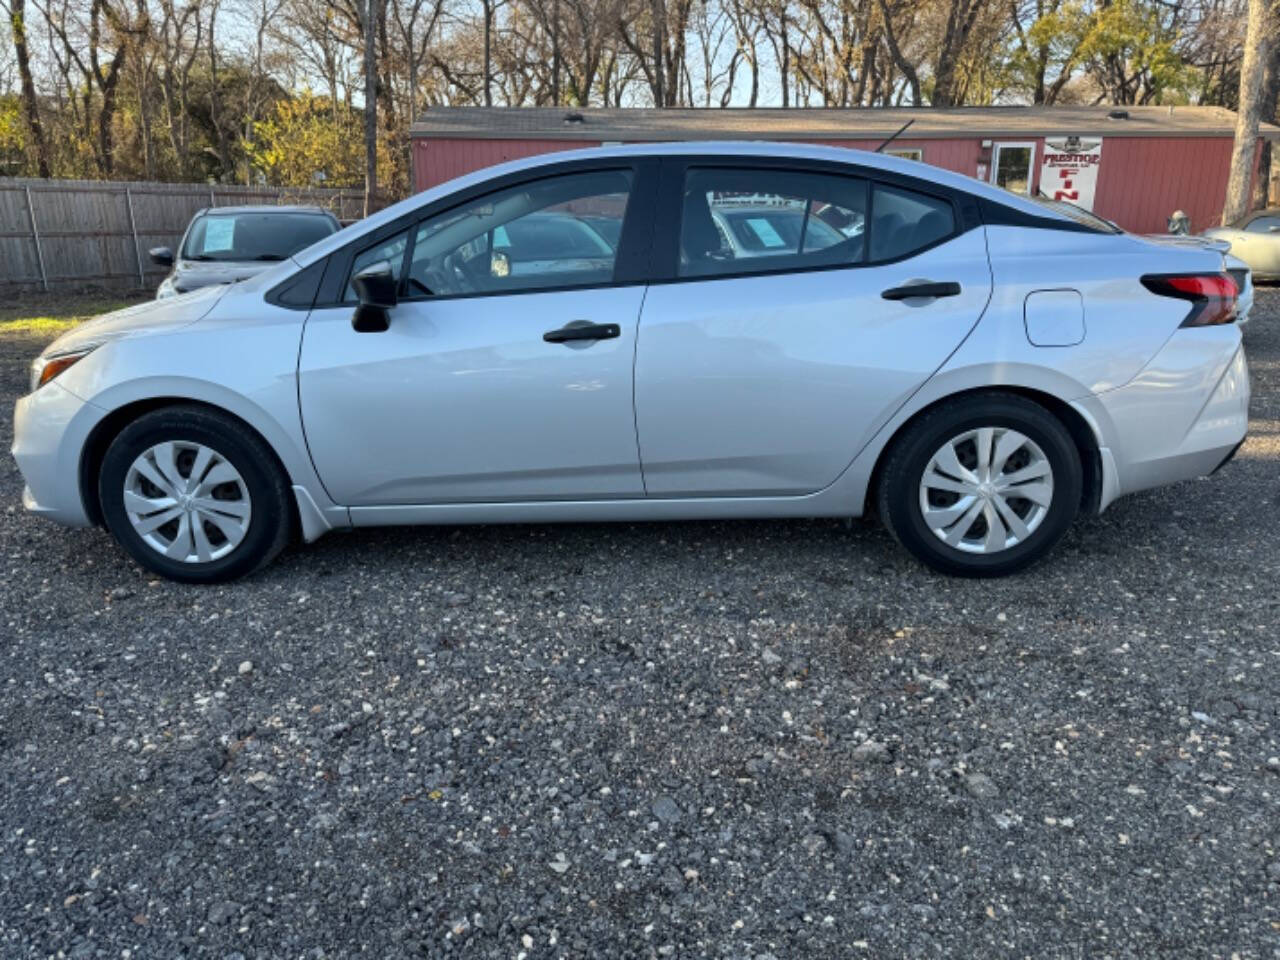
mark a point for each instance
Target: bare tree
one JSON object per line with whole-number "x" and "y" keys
{"x": 368, "y": 10}
{"x": 1259, "y": 38}
{"x": 16, "y": 11}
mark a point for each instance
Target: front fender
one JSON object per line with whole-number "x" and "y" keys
{"x": 246, "y": 367}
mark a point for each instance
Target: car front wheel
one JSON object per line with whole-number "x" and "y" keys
{"x": 981, "y": 486}
{"x": 194, "y": 495}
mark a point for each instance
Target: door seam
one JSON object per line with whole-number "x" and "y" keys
{"x": 635, "y": 413}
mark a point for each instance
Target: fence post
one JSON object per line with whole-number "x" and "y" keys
{"x": 213, "y": 202}
{"x": 35, "y": 235}
{"x": 133, "y": 229}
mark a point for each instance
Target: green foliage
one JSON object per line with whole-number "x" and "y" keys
{"x": 13, "y": 136}
{"x": 306, "y": 137}
{"x": 309, "y": 135}
{"x": 1122, "y": 50}
{"x": 1131, "y": 31}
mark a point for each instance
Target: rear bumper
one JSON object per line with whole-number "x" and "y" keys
{"x": 1182, "y": 417}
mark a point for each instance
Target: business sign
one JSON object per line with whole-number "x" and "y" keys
{"x": 1069, "y": 170}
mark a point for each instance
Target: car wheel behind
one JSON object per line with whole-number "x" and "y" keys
{"x": 982, "y": 485}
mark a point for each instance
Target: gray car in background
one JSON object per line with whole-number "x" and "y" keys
{"x": 227, "y": 244}
{"x": 1255, "y": 239}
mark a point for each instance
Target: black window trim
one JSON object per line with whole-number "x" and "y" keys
{"x": 648, "y": 250}
{"x": 631, "y": 263}
{"x": 667, "y": 232}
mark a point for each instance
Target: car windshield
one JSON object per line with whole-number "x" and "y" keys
{"x": 254, "y": 236}
{"x": 1078, "y": 214}
{"x": 778, "y": 230}
{"x": 609, "y": 228}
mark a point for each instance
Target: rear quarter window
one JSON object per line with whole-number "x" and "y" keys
{"x": 905, "y": 221}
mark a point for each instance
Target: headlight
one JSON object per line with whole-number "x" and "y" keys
{"x": 44, "y": 369}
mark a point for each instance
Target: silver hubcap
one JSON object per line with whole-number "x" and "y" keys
{"x": 187, "y": 502}
{"x": 986, "y": 490}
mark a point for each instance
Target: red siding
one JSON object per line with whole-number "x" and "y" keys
{"x": 1144, "y": 179}
{"x": 1140, "y": 182}
{"x": 435, "y": 161}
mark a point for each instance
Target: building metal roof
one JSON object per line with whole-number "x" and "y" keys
{"x": 858, "y": 123}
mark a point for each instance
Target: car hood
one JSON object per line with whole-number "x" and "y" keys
{"x": 194, "y": 274}
{"x": 154, "y": 315}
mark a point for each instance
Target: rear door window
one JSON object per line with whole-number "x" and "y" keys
{"x": 749, "y": 221}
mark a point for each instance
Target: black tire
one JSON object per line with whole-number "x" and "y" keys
{"x": 898, "y": 490}
{"x": 271, "y": 516}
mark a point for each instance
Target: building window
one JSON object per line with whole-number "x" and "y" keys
{"x": 1012, "y": 166}
{"x": 907, "y": 153}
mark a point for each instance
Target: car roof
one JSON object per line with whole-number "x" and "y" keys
{"x": 267, "y": 208}
{"x": 746, "y": 148}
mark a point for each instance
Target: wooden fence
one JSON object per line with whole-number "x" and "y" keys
{"x": 60, "y": 234}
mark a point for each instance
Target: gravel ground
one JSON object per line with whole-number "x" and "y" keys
{"x": 746, "y": 740}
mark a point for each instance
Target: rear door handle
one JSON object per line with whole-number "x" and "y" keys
{"x": 950, "y": 289}
{"x": 583, "y": 331}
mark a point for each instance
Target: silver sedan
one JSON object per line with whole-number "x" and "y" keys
{"x": 975, "y": 367}
{"x": 1255, "y": 239}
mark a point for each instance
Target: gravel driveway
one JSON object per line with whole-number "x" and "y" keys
{"x": 746, "y": 740}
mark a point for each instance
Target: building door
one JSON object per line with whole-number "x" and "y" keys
{"x": 1012, "y": 165}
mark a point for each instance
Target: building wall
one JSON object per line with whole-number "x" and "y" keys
{"x": 1140, "y": 182}
{"x": 435, "y": 161}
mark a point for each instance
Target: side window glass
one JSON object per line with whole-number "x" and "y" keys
{"x": 391, "y": 250}
{"x": 558, "y": 232}
{"x": 1263, "y": 225}
{"x": 903, "y": 221}
{"x": 746, "y": 221}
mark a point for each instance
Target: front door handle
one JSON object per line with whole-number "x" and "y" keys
{"x": 951, "y": 289}
{"x": 583, "y": 331}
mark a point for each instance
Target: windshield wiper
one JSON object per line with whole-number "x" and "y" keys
{"x": 268, "y": 256}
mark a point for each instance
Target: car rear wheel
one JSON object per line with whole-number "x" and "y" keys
{"x": 981, "y": 486}
{"x": 194, "y": 495}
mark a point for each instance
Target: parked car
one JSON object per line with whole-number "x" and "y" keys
{"x": 1243, "y": 277}
{"x": 935, "y": 367}
{"x": 763, "y": 231}
{"x": 227, "y": 244}
{"x": 1255, "y": 239}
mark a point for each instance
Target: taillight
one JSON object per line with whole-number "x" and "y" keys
{"x": 1212, "y": 295}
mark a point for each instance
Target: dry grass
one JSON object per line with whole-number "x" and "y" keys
{"x": 54, "y": 313}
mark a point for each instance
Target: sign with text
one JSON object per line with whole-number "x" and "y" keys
{"x": 1069, "y": 170}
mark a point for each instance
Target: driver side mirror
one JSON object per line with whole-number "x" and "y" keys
{"x": 161, "y": 256}
{"x": 375, "y": 285}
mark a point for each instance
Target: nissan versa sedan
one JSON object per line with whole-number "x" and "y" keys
{"x": 976, "y": 368}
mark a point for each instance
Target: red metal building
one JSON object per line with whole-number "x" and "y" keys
{"x": 1132, "y": 165}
